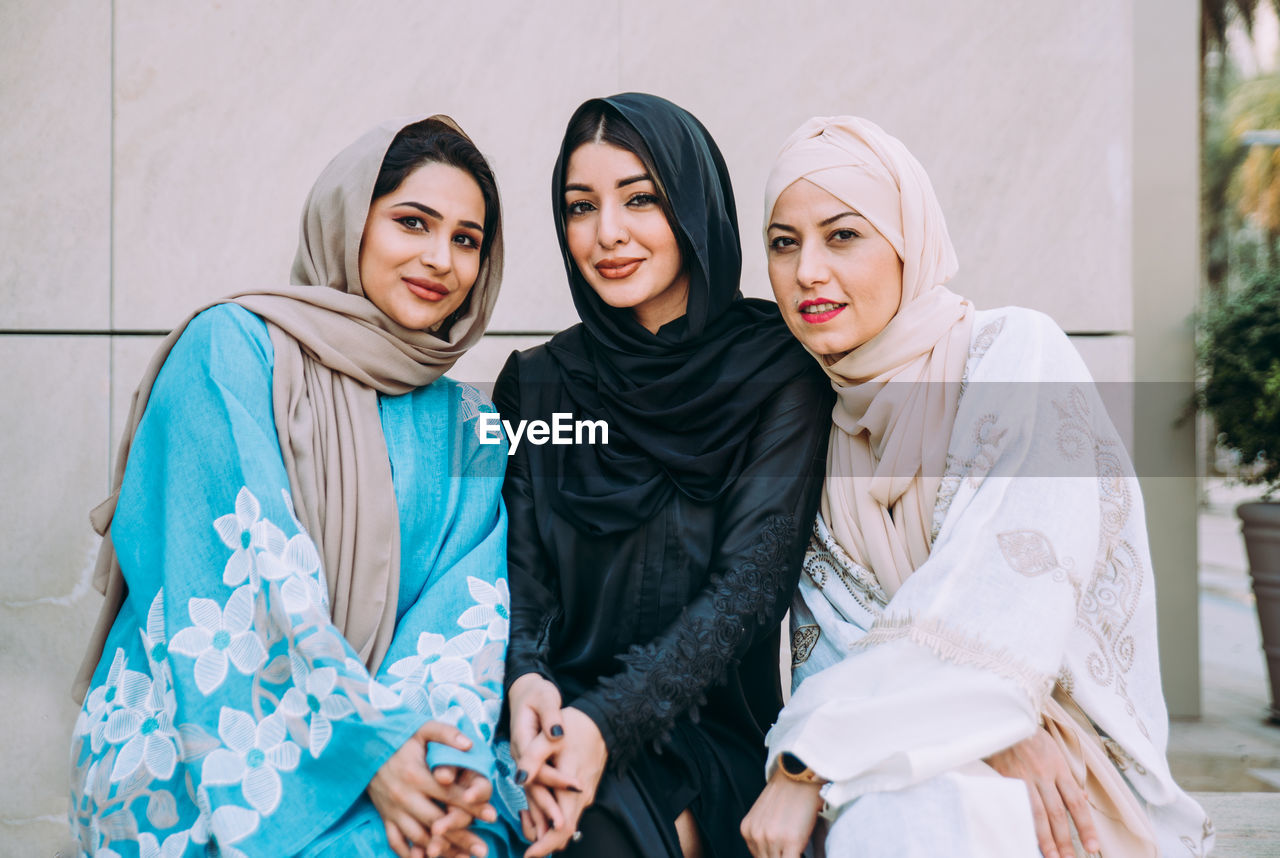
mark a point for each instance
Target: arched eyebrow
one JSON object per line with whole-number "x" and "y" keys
{"x": 622, "y": 183}
{"x": 631, "y": 180}
{"x": 834, "y": 218}
{"x": 435, "y": 215}
{"x": 827, "y": 222}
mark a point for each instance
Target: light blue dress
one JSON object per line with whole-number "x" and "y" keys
{"x": 228, "y": 715}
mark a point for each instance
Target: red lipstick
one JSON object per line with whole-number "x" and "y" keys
{"x": 818, "y": 310}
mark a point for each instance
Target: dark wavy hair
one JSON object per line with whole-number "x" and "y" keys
{"x": 434, "y": 142}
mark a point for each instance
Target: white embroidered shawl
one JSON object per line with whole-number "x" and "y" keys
{"x": 1039, "y": 573}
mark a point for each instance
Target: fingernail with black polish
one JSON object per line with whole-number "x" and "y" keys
{"x": 521, "y": 777}
{"x": 556, "y": 731}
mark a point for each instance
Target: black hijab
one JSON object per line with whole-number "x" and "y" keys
{"x": 680, "y": 403}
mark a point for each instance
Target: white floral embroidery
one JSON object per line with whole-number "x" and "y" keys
{"x": 219, "y": 634}
{"x": 472, "y": 402}
{"x": 296, "y": 556}
{"x": 303, "y": 588}
{"x": 381, "y": 696}
{"x": 173, "y": 847}
{"x": 237, "y": 532}
{"x": 227, "y": 825}
{"x": 102, "y": 700}
{"x": 489, "y": 664}
{"x": 153, "y": 637}
{"x": 144, "y": 724}
{"x": 436, "y": 681}
{"x": 278, "y": 605}
{"x": 438, "y": 660}
{"x": 313, "y": 698}
{"x": 257, "y": 753}
{"x": 448, "y": 702}
{"x": 493, "y": 612}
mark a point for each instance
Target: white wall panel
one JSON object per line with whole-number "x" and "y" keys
{"x": 55, "y": 164}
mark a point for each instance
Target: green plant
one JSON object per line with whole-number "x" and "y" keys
{"x": 1239, "y": 354}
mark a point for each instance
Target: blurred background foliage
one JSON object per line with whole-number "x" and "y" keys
{"x": 1240, "y": 181}
{"x": 1238, "y": 339}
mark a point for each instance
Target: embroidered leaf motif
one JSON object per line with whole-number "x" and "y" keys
{"x": 196, "y": 742}
{"x": 99, "y": 777}
{"x": 121, "y": 825}
{"x": 660, "y": 684}
{"x": 277, "y": 671}
{"x": 802, "y": 643}
{"x": 162, "y": 809}
{"x": 1028, "y": 552}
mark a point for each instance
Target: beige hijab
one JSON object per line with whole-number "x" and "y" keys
{"x": 898, "y": 392}
{"x": 334, "y": 353}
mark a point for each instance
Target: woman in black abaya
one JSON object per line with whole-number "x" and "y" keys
{"x": 649, "y": 574}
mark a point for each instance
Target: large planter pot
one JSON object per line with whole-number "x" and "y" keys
{"x": 1261, "y": 527}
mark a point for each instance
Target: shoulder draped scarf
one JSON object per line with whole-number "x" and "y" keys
{"x": 334, "y": 353}
{"x": 898, "y": 392}
{"x": 680, "y": 403}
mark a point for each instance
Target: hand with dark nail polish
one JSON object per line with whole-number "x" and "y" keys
{"x": 521, "y": 777}
{"x": 556, "y": 731}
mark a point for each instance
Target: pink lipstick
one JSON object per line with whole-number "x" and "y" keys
{"x": 818, "y": 310}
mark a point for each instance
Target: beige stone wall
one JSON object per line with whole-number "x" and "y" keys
{"x": 155, "y": 155}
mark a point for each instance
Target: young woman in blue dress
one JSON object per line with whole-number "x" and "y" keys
{"x": 302, "y": 646}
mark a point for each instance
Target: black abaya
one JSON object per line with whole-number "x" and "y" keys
{"x": 649, "y": 576}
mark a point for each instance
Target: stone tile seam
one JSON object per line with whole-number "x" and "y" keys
{"x": 51, "y": 819}
{"x": 82, "y": 587}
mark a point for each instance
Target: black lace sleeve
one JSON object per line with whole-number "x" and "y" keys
{"x": 757, "y": 564}
{"x": 532, "y": 578}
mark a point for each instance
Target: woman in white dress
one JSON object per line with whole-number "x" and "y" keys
{"x": 978, "y": 572}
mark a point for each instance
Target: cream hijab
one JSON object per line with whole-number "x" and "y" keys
{"x": 898, "y": 392}
{"x": 334, "y": 353}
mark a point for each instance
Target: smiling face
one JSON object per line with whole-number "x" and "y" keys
{"x": 837, "y": 280}
{"x": 619, "y": 236}
{"x": 420, "y": 253}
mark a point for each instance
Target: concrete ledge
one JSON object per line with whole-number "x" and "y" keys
{"x": 1247, "y": 823}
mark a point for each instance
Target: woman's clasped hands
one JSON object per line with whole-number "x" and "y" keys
{"x": 560, "y": 757}
{"x": 427, "y": 812}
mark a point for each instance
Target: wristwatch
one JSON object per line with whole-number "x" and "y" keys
{"x": 794, "y": 768}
